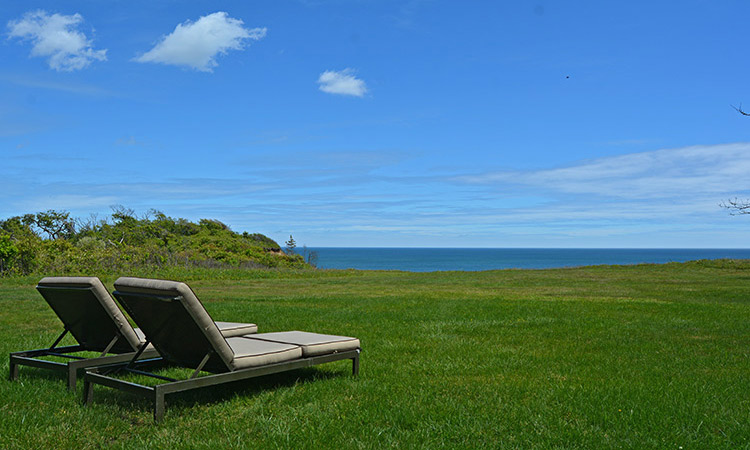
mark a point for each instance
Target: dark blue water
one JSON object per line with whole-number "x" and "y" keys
{"x": 473, "y": 259}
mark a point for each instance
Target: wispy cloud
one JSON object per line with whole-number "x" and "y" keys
{"x": 14, "y": 128}
{"x": 342, "y": 83}
{"x": 197, "y": 44}
{"x": 57, "y": 38}
{"x": 627, "y": 142}
{"x": 46, "y": 157}
{"x": 70, "y": 202}
{"x": 72, "y": 88}
{"x": 715, "y": 170}
{"x": 664, "y": 197}
{"x": 408, "y": 11}
{"x": 129, "y": 141}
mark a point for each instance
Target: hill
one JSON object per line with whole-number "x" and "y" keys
{"x": 52, "y": 242}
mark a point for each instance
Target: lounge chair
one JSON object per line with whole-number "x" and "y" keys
{"x": 179, "y": 327}
{"x": 89, "y": 313}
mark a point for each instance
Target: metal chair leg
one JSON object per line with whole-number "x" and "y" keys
{"x": 13, "y": 370}
{"x": 158, "y": 405}
{"x": 355, "y": 364}
{"x": 72, "y": 376}
{"x": 88, "y": 392}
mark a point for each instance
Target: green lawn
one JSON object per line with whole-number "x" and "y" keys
{"x": 649, "y": 356}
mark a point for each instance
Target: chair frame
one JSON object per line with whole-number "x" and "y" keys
{"x": 33, "y": 358}
{"x": 98, "y": 375}
{"x": 219, "y": 372}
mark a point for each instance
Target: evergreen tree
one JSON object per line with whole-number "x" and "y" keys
{"x": 290, "y": 245}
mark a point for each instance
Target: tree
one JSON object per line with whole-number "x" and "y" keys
{"x": 290, "y": 245}
{"x": 739, "y": 110}
{"x": 55, "y": 224}
{"x": 736, "y": 207}
{"x": 8, "y": 252}
{"x": 122, "y": 214}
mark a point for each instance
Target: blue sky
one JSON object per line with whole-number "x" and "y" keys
{"x": 385, "y": 123}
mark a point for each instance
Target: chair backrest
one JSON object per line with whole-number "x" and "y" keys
{"x": 89, "y": 313}
{"x": 175, "y": 321}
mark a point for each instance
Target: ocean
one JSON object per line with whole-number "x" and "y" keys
{"x": 476, "y": 259}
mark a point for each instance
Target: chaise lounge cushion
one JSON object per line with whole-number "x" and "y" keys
{"x": 102, "y": 296}
{"x": 192, "y": 305}
{"x": 254, "y": 353}
{"x": 234, "y": 329}
{"x": 134, "y": 336}
{"x": 312, "y": 344}
{"x": 227, "y": 329}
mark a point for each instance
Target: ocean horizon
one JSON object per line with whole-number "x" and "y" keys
{"x": 479, "y": 259}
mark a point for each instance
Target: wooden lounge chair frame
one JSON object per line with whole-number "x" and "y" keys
{"x": 159, "y": 316}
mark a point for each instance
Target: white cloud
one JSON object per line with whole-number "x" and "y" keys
{"x": 716, "y": 170}
{"x": 196, "y": 44}
{"x": 667, "y": 198}
{"x": 56, "y": 38}
{"x": 342, "y": 83}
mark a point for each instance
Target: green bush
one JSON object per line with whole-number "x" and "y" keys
{"x": 8, "y": 252}
{"x": 53, "y": 243}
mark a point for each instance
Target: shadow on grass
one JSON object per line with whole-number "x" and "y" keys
{"x": 215, "y": 394}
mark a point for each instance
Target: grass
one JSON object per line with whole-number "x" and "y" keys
{"x": 648, "y": 356}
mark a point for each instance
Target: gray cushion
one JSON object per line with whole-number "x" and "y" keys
{"x": 254, "y": 353}
{"x": 233, "y": 329}
{"x": 312, "y": 344}
{"x": 105, "y": 300}
{"x": 191, "y": 304}
{"x": 228, "y": 329}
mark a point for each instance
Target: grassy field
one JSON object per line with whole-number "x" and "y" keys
{"x": 649, "y": 356}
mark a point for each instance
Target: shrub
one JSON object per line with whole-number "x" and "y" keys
{"x": 49, "y": 243}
